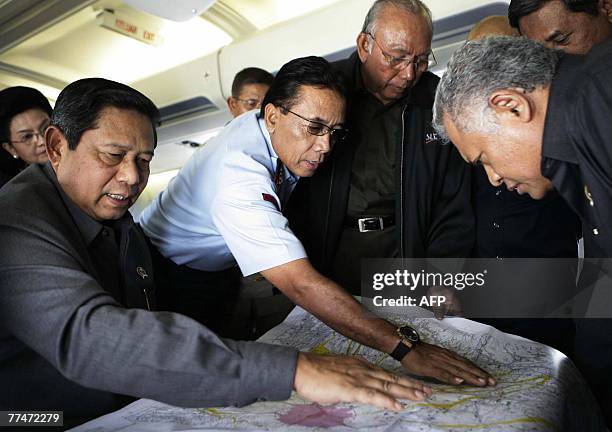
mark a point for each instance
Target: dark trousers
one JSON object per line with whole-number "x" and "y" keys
{"x": 207, "y": 297}
{"x": 218, "y": 300}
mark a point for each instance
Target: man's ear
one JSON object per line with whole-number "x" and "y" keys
{"x": 231, "y": 104}
{"x": 57, "y": 145}
{"x": 271, "y": 115}
{"x": 363, "y": 45}
{"x": 512, "y": 104}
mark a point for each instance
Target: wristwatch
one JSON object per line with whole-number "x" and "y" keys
{"x": 409, "y": 337}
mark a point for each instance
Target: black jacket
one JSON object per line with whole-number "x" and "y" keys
{"x": 432, "y": 187}
{"x": 577, "y": 146}
{"x": 66, "y": 344}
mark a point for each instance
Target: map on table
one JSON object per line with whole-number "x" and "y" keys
{"x": 538, "y": 389}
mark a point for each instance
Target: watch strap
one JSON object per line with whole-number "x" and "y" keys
{"x": 401, "y": 350}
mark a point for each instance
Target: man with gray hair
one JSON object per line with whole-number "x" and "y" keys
{"x": 536, "y": 119}
{"x": 509, "y": 225}
{"x": 394, "y": 190}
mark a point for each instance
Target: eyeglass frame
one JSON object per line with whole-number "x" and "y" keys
{"x": 39, "y": 133}
{"x": 431, "y": 58}
{"x": 328, "y": 130}
{"x": 248, "y": 102}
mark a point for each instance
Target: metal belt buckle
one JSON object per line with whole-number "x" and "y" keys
{"x": 370, "y": 224}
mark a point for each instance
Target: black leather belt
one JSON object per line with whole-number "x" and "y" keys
{"x": 369, "y": 223}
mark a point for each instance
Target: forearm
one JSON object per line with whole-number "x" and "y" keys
{"x": 333, "y": 305}
{"x": 173, "y": 359}
{"x": 328, "y": 302}
{"x": 93, "y": 341}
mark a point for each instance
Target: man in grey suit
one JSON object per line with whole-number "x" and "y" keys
{"x": 77, "y": 328}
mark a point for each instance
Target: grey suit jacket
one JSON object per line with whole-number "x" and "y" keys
{"x": 66, "y": 344}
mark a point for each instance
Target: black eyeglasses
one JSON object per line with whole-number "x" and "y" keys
{"x": 249, "y": 103}
{"x": 422, "y": 63}
{"x": 336, "y": 135}
{"x": 31, "y": 137}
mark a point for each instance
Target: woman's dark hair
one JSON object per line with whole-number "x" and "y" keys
{"x": 305, "y": 71}
{"x": 14, "y": 101}
{"x": 520, "y": 8}
{"x": 79, "y": 105}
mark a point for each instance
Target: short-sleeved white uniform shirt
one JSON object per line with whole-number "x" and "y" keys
{"x": 223, "y": 207}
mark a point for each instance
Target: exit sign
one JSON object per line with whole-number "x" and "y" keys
{"x": 128, "y": 26}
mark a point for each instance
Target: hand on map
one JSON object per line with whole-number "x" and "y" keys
{"x": 331, "y": 379}
{"x": 445, "y": 366}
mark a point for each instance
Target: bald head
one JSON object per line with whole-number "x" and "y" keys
{"x": 495, "y": 25}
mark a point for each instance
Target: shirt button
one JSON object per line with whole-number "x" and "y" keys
{"x": 105, "y": 232}
{"x": 495, "y": 225}
{"x": 595, "y": 231}
{"x": 497, "y": 192}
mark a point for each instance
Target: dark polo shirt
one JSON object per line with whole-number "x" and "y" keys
{"x": 509, "y": 225}
{"x": 107, "y": 244}
{"x": 577, "y": 143}
{"x": 375, "y": 131}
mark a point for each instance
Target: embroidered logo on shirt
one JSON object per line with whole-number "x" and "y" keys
{"x": 142, "y": 272}
{"x": 432, "y": 137}
{"x": 271, "y": 199}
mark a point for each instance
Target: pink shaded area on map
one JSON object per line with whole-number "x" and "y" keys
{"x": 315, "y": 415}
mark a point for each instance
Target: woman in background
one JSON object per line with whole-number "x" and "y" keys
{"x": 24, "y": 115}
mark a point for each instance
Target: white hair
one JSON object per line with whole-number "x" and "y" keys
{"x": 483, "y": 66}
{"x": 415, "y": 7}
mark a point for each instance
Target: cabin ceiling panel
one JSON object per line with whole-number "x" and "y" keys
{"x": 49, "y": 43}
{"x": 21, "y": 19}
{"x": 265, "y": 13}
{"x": 79, "y": 47}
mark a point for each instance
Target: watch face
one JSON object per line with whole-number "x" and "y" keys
{"x": 410, "y": 333}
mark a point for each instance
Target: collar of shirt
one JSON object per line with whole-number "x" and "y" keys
{"x": 89, "y": 227}
{"x": 556, "y": 141}
{"x": 288, "y": 176}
